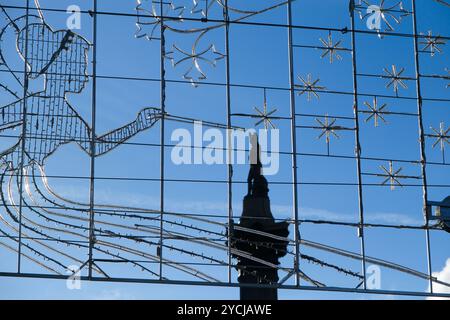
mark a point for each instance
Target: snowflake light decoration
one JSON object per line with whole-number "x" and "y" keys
{"x": 265, "y": 115}
{"x": 442, "y": 137}
{"x": 195, "y": 59}
{"x": 144, "y": 9}
{"x": 432, "y": 43}
{"x": 328, "y": 128}
{"x": 309, "y": 86}
{"x": 377, "y": 14}
{"x": 392, "y": 176}
{"x": 178, "y": 11}
{"x": 330, "y": 48}
{"x": 376, "y": 112}
{"x": 396, "y": 79}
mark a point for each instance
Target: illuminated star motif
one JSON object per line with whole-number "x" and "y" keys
{"x": 309, "y": 86}
{"x": 196, "y": 59}
{"x": 392, "y": 176}
{"x": 396, "y": 79}
{"x": 432, "y": 44}
{"x": 330, "y": 48}
{"x": 265, "y": 115}
{"x": 382, "y": 13}
{"x": 442, "y": 136}
{"x": 328, "y": 128}
{"x": 148, "y": 14}
{"x": 375, "y": 111}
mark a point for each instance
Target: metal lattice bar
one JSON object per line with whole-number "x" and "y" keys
{"x": 37, "y": 220}
{"x": 22, "y": 153}
{"x": 93, "y": 143}
{"x": 294, "y": 144}
{"x": 248, "y": 23}
{"x": 358, "y": 150}
{"x": 423, "y": 157}
{"x": 229, "y": 126}
{"x": 163, "y": 133}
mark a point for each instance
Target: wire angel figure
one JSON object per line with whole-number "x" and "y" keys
{"x": 46, "y": 119}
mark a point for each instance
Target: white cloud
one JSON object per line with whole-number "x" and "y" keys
{"x": 392, "y": 218}
{"x": 444, "y": 276}
{"x": 321, "y": 214}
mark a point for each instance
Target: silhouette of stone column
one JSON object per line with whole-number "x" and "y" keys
{"x": 252, "y": 241}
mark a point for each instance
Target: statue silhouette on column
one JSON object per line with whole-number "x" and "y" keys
{"x": 257, "y": 216}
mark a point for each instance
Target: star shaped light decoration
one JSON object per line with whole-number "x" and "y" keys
{"x": 209, "y": 56}
{"x": 376, "y": 112}
{"x": 265, "y": 115}
{"x": 309, "y": 86}
{"x": 330, "y": 48}
{"x": 392, "y": 176}
{"x": 383, "y": 13}
{"x": 432, "y": 43}
{"x": 442, "y": 136}
{"x": 328, "y": 128}
{"x": 396, "y": 80}
{"x": 148, "y": 15}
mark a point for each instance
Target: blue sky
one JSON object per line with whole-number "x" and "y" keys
{"x": 258, "y": 57}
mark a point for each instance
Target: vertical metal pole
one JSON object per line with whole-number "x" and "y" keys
{"x": 294, "y": 145}
{"x": 423, "y": 158}
{"x": 230, "y": 166}
{"x": 24, "y": 132}
{"x": 358, "y": 147}
{"x": 163, "y": 147}
{"x": 93, "y": 142}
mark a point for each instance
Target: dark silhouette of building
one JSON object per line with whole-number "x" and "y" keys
{"x": 254, "y": 240}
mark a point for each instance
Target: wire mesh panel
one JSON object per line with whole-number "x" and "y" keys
{"x": 125, "y": 130}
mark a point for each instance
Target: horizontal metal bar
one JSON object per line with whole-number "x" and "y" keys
{"x": 383, "y": 76}
{"x": 287, "y": 153}
{"x": 249, "y": 86}
{"x": 227, "y": 284}
{"x": 320, "y": 47}
{"x": 323, "y": 116}
{"x": 316, "y": 183}
{"x": 343, "y": 30}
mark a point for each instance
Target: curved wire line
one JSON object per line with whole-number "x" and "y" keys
{"x": 7, "y": 246}
{"x": 340, "y": 252}
{"x": 85, "y": 237}
{"x": 67, "y": 242}
{"x": 222, "y": 24}
{"x": 144, "y": 210}
{"x": 193, "y": 271}
{"x": 377, "y": 261}
{"x": 155, "y": 230}
{"x": 189, "y": 270}
{"x": 350, "y": 254}
{"x": 2, "y": 219}
{"x": 386, "y": 264}
{"x": 130, "y": 228}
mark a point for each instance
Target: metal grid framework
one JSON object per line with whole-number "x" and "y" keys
{"x": 38, "y": 224}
